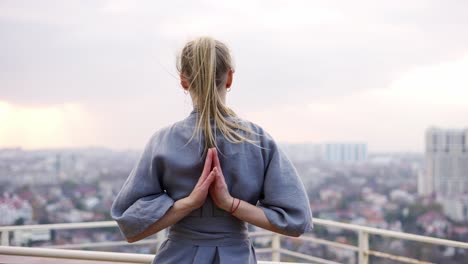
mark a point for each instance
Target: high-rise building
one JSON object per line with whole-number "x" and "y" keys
{"x": 345, "y": 152}
{"x": 446, "y": 170}
{"x": 302, "y": 152}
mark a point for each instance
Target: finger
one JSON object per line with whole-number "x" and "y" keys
{"x": 207, "y": 167}
{"x": 215, "y": 181}
{"x": 208, "y": 175}
{"x": 212, "y": 156}
{"x": 209, "y": 180}
{"x": 216, "y": 171}
{"x": 220, "y": 175}
{"x": 217, "y": 164}
{"x": 216, "y": 159}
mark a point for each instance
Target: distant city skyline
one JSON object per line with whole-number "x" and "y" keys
{"x": 102, "y": 73}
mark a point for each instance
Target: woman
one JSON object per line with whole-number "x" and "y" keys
{"x": 208, "y": 195}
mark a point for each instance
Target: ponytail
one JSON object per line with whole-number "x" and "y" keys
{"x": 205, "y": 63}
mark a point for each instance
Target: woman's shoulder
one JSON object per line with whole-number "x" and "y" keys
{"x": 260, "y": 134}
{"x": 257, "y": 128}
{"x": 160, "y": 134}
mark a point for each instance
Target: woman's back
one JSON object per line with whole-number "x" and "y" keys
{"x": 253, "y": 174}
{"x": 243, "y": 167}
{"x": 190, "y": 171}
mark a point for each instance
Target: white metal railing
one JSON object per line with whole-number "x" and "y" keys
{"x": 87, "y": 255}
{"x": 362, "y": 248}
{"x": 76, "y": 254}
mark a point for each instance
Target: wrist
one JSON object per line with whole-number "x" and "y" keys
{"x": 229, "y": 204}
{"x": 184, "y": 205}
{"x": 235, "y": 206}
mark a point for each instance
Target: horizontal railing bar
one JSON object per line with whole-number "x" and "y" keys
{"x": 76, "y": 254}
{"x": 308, "y": 257}
{"x": 394, "y": 234}
{"x": 397, "y": 258}
{"x": 88, "y": 255}
{"x": 260, "y": 233}
{"x": 263, "y": 250}
{"x": 327, "y": 242}
{"x": 105, "y": 244}
{"x": 81, "y": 225}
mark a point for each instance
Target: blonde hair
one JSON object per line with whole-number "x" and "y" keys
{"x": 205, "y": 63}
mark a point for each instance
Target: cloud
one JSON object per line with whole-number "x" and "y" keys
{"x": 107, "y": 54}
{"x": 391, "y": 119}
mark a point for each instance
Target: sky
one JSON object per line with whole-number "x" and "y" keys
{"x": 103, "y": 73}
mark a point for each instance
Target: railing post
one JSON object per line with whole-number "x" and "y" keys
{"x": 5, "y": 238}
{"x": 363, "y": 252}
{"x": 275, "y": 247}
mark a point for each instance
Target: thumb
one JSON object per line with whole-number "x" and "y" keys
{"x": 209, "y": 180}
{"x": 211, "y": 188}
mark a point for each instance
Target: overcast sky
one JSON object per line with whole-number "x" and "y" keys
{"x": 102, "y": 73}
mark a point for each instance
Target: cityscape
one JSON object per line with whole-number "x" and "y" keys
{"x": 367, "y": 99}
{"x": 417, "y": 193}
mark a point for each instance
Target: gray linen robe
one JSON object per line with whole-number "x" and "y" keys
{"x": 169, "y": 168}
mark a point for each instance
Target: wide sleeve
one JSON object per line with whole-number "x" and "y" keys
{"x": 142, "y": 200}
{"x": 284, "y": 198}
